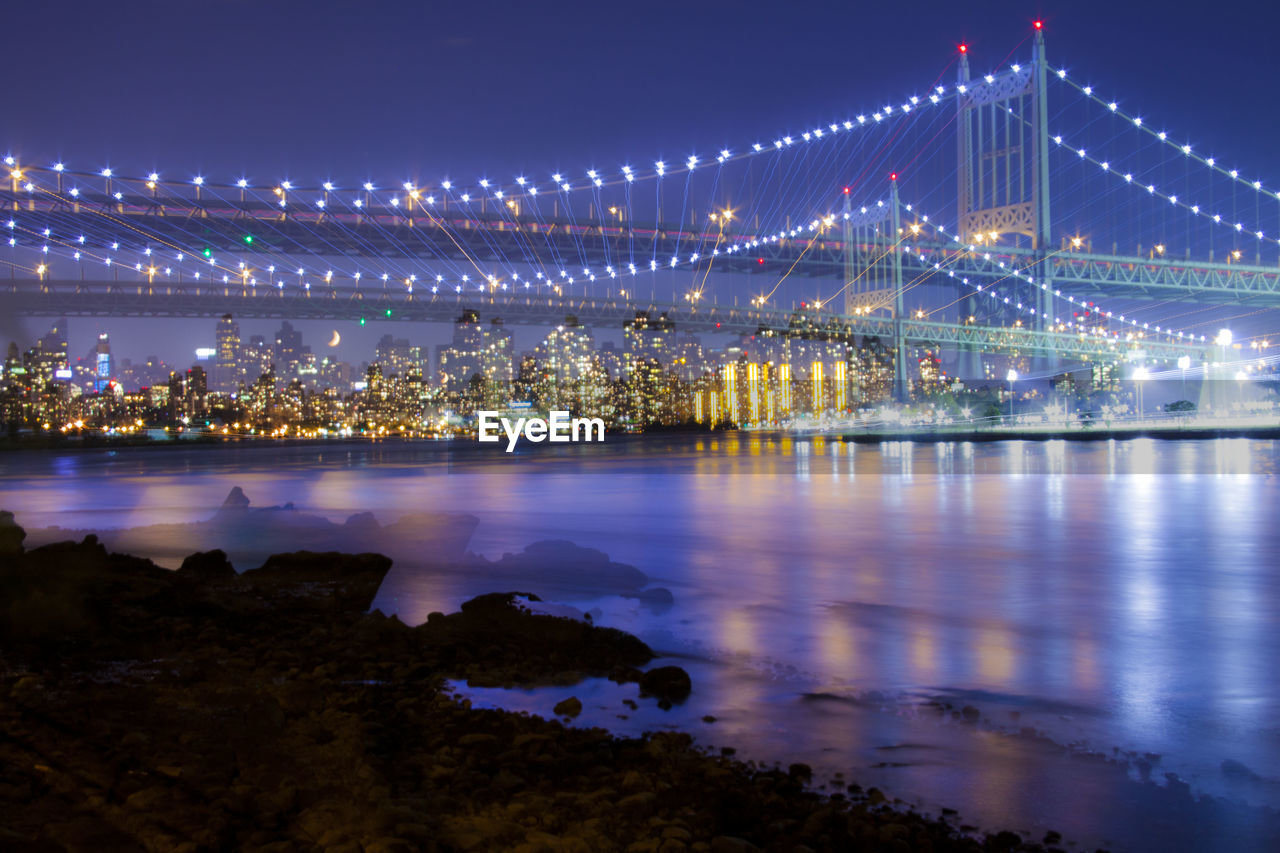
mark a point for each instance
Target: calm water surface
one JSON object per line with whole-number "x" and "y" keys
{"x": 1115, "y": 597}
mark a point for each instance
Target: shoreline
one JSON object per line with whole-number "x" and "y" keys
{"x": 253, "y": 710}
{"x": 199, "y": 709}
{"x": 940, "y": 435}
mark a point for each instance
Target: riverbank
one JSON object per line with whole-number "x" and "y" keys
{"x": 942, "y": 434}
{"x": 986, "y": 434}
{"x": 199, "y": 709}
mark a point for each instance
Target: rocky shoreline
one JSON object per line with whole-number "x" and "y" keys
{"x": 201, "y": 709}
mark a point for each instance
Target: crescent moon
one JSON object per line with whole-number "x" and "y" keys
{"x": 337, "y": 339}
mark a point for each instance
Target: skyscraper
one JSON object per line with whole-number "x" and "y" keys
{"x": 398, "y": 356}
{"x": 648, "y": 340}
{"x": 226, "y": 364}
{"x": 568, "y": 351}
{"x": 461, "y": 359}
{"x": 288, "y": 349}
{"x": 102, "y": 365}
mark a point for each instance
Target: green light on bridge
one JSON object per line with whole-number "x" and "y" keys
{"x": 361, "y": 321}
{"x": 388, "y": 312}
{"x": 208, "y": 253}
{"x": 248, "y": 239}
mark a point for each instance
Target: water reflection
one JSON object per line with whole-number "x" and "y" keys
{"x": 1118, "y": 593}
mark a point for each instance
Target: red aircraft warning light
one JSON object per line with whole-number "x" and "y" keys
{"x": 1039, "y": 25}
{"x": 964, "y": 48}
{"x": 893, "y": 176}
{"x": 846, "y": 190}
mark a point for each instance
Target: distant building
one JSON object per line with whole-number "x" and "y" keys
{"x": 102, "y": 364}
{"x": 647, "y": 340}
{"x": 461, "y": 359}
{"x": 398, "y": 356}
{"x": 226, "y": 366}
{"x": 288, "y": 349}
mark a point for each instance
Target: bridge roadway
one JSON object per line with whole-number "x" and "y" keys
{"x": 143, "y": 299}
{"x": 381, "y": 231}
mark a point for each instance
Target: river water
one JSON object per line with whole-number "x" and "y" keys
{"x": 1111, "y": 609}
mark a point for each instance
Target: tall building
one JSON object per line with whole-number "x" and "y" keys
{"x": 102, "y": 364}
{"x": 648, "y": 340}
{"x": 567, "y": 351}
{"x": 258, "y": 358}
{"x": 398, "y": 356}
{"x": 288, "y": 349}
{"x": 47, "y": 360}
{"x": 498, "y": 362}
{"x": 462, "y": 358}
{"x": 226, "y": 364}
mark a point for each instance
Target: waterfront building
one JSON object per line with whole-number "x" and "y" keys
{"x": 647, "y": 340}
{"x": 227, "y": 356}
{"x": 461, "y": 360}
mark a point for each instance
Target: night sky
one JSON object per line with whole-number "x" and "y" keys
{"x": 352, "y": 91}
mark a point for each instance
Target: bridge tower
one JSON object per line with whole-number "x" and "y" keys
{"x": 872, "y": 238}
{"x": 1002, "y": 133}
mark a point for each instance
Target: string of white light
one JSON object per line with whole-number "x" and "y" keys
{"x": 1021, "y": 274}
{"x": 1185, "y": 148}
{"x": 780, "y": 237}
{"x": 523, "y": 186}
{"x": 1151, "y": 189}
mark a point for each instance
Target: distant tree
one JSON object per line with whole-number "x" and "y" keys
{"x": 1180, "y": 406}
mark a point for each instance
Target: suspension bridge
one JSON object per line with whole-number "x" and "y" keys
{"x": 1013, "y": 211}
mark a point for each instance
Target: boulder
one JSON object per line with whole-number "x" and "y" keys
{"x": 207, "y": 565}
{"x": 235, "y": 506}
{"x": 669, "y": 683}
{"x": 11, "y": 535}
{"x": 328, "y": 581}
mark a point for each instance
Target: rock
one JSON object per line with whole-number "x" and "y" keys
{"x": 362, "y": 524}
{"x": 570, "y": 707}
{"x": 1233, "y": 769}
{"x": 970, "y": 714}
{"x": 658, "y": 597}
{"x": 670, "y": 683}
{"x": 1004, "y": 840}
{"x": 11, "y": 534}
{"x": 730, "y": 844}
{"x": 800, "y": 771}
{"x": 559, "y": 562}
{"x": 234, "y": 506}
{"x": 329, "y": 581}
{"x": 207, "y": 565}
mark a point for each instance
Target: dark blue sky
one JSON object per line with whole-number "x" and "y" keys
{"x": 387, "y": 90}
{"x": 352, "y": 90}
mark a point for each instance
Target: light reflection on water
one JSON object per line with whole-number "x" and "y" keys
{"x": 1112, "y": 593}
